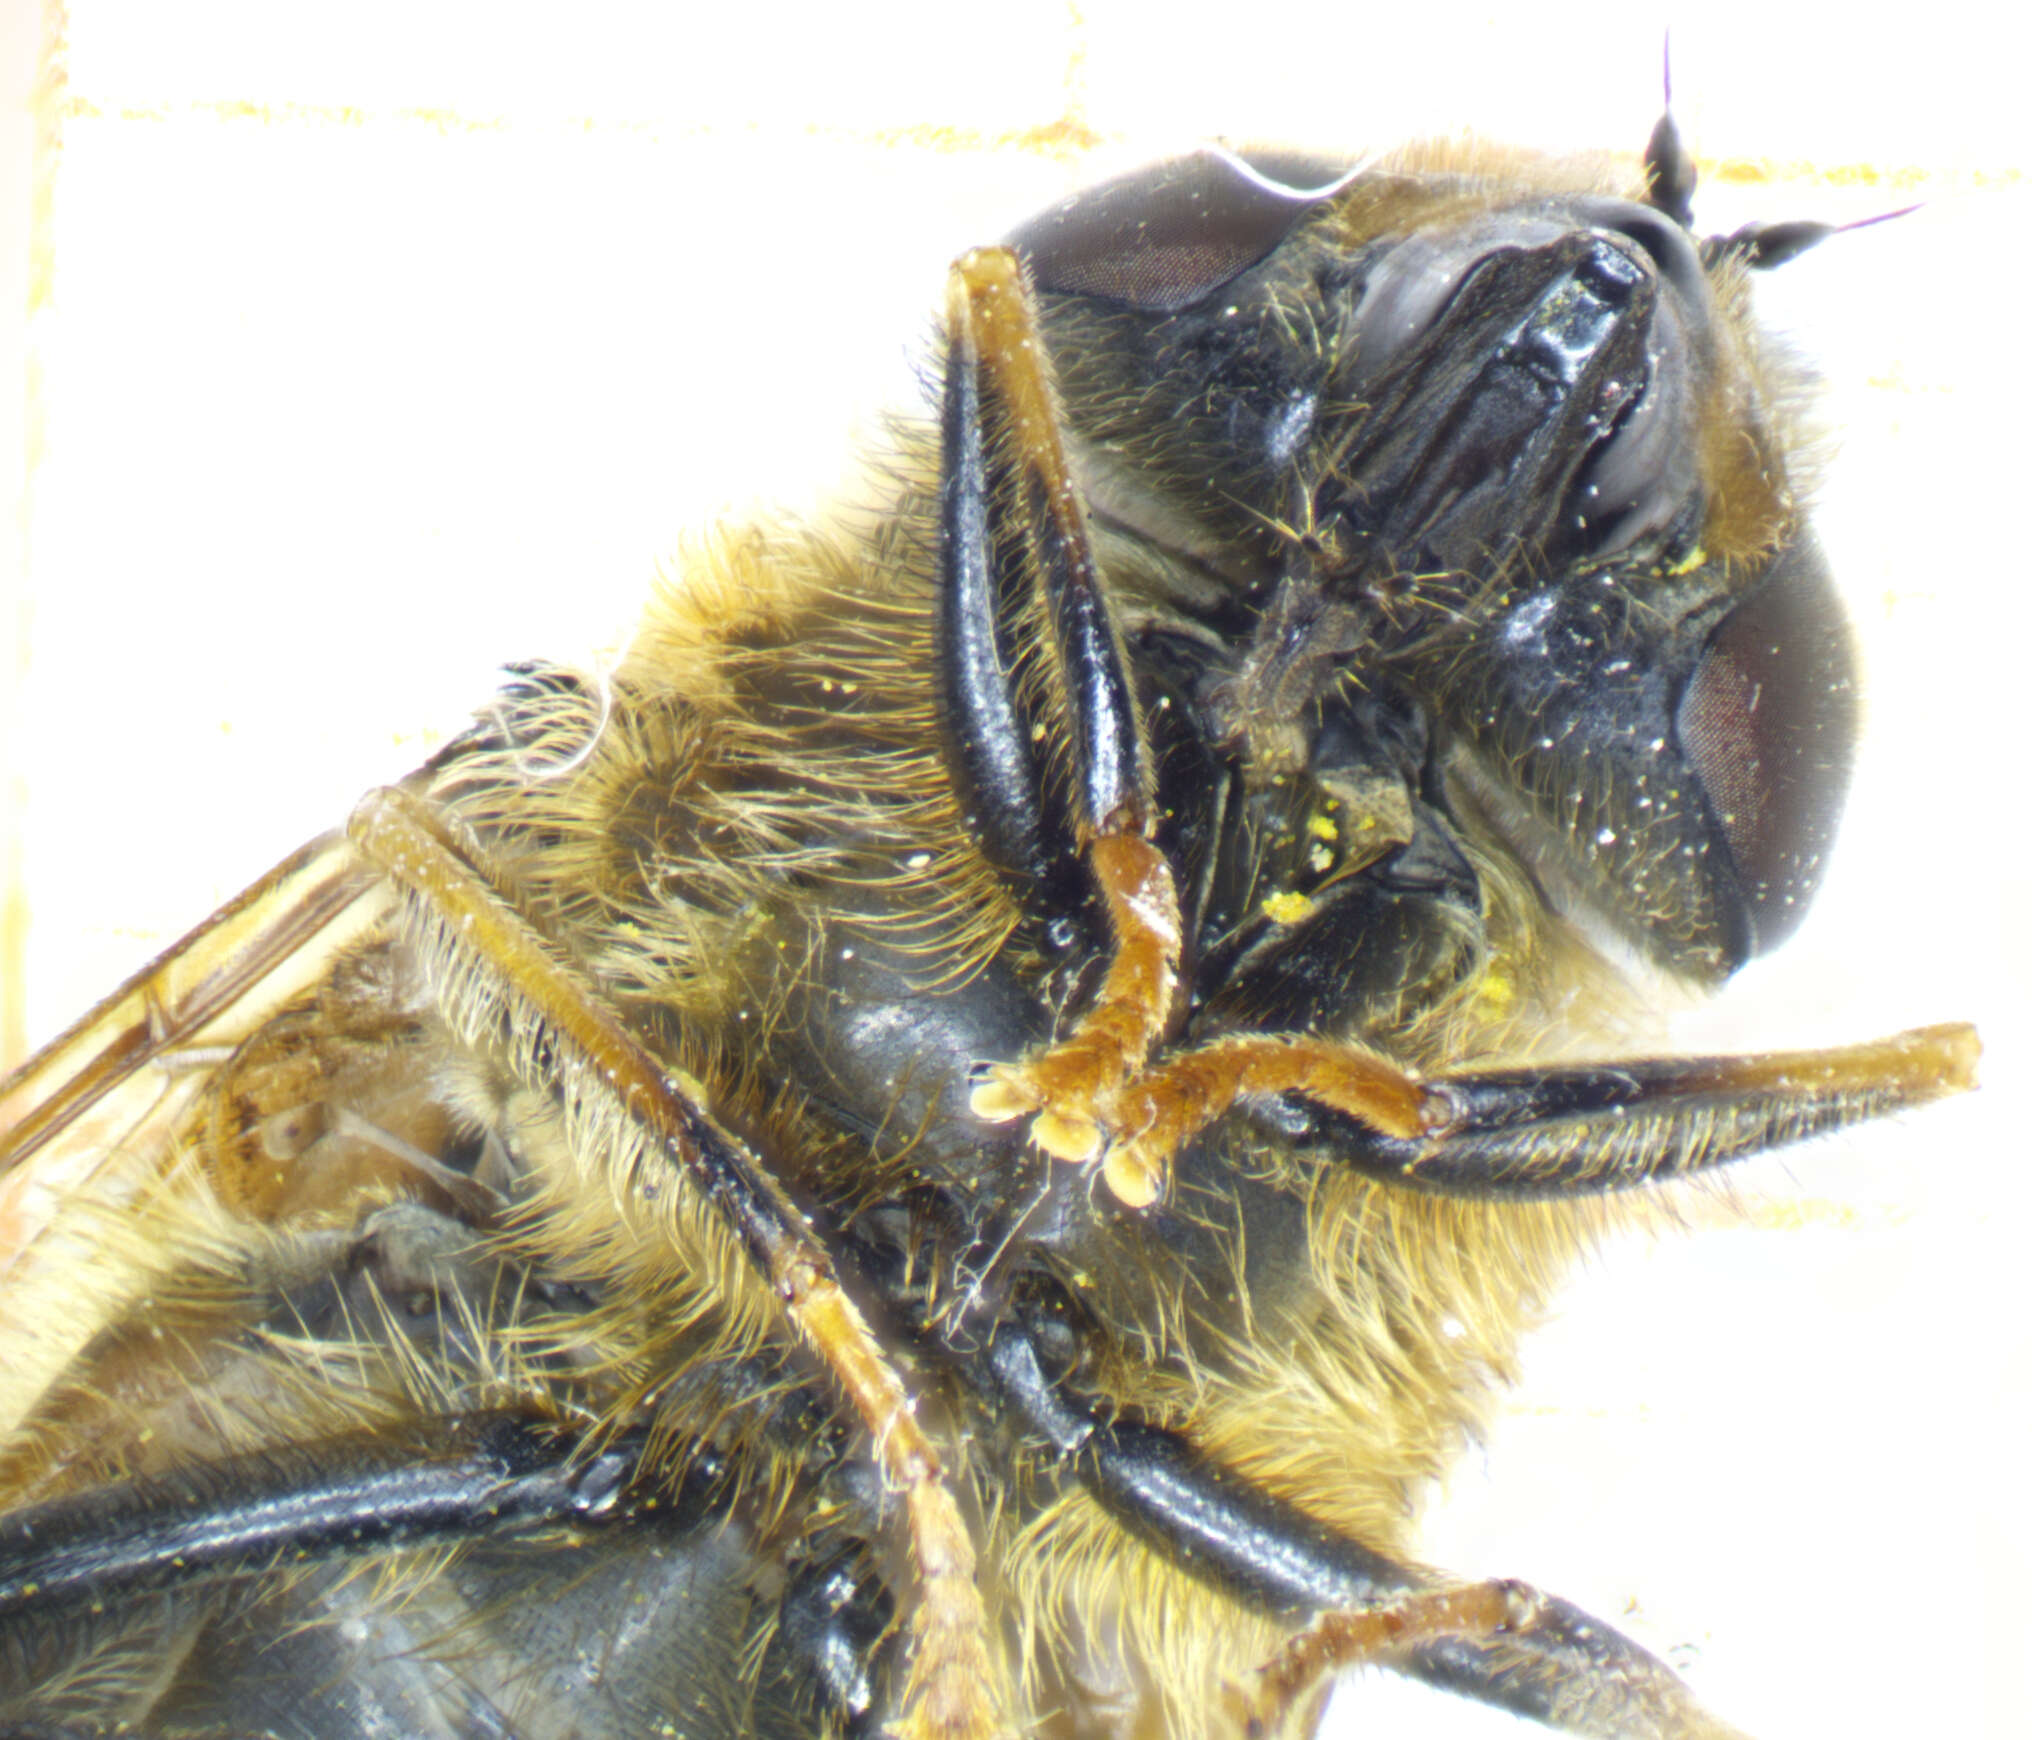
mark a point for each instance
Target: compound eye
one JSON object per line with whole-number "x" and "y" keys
{"x": 1161, "y": 238}
{"x": 1768, "y": 722}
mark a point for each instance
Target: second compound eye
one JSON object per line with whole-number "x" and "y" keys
{"x": 1160, "y": 238}
{"x": 1768, "y": 722}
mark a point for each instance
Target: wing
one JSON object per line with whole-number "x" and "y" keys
{"x": 93, "y": 1123}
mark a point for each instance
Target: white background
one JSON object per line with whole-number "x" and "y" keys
{"x": 385, "y": 343}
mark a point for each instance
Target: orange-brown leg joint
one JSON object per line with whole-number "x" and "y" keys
{"x": 1180, "y": 1098}
{"x": 988, "y": 284}
{"x": 955, "y": 1690}
{"x": 1069, "y": 1088}
{"x": 1074, "y": 1085}
{"x": 1629, "y": 1692}
{"x": 1334, "y": 1642}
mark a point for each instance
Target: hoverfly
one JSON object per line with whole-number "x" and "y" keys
{"x": 1105, "y": 924}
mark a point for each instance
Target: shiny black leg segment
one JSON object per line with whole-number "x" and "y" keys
{"x": 1525, "y": 1134}
{"x": 1155, "y": 1484}
{"x": 149, "y": 1570}
{"x": 1556, "y": 1664}
{"x": 1565, "y": 1668}
{"x": 981, "y": 605}
{"x": 1022, "y": 611}
{"x": 489, "y": 1474}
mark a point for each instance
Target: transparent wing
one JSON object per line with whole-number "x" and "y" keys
{"x": 90, "y": 1123}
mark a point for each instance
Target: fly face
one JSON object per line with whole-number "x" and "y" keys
{"x": 1514, "y": 453}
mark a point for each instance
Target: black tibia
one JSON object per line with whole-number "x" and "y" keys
{"x": 1016, "y": 568}
{"x": 1550, "y": 1660}
{"x": 1032, "y": 542}
{"x": 515, "y": 1634}
{"x": 1562, "y": 1666}
{"x": 451, "y": 1480}
{"x": 981, "y": 606}
{"x": 1531, "y": 1133}
{"x": 1155, "y": 1484}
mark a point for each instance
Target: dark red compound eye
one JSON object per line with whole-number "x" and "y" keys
{"x": 1162, "y": 237}
{"x": 1768, "y": 722}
